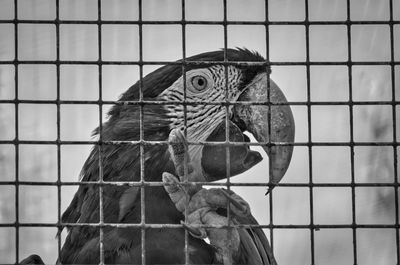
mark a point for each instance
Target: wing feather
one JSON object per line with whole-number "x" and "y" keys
{"x": 255, "y": 246}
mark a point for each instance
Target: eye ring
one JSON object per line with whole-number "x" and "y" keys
{"x": 199, "y": 83}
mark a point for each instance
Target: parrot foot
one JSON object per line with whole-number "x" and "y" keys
{"x": 200, "y": 204}
{"x": 201, "y": 210}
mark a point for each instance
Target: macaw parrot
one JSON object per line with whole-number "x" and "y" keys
{"x": 166, "y": 123}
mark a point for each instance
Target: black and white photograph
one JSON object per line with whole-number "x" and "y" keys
{"x": 257, "y": 132}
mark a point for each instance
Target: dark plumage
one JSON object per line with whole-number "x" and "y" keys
{"x": 31, "y": 260}
{"x": 121, "y": 162}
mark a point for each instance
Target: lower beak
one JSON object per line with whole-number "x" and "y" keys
{"x": 271, "y": 124}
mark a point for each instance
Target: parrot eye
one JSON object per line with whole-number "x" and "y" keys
{"x": 199, "y": 83}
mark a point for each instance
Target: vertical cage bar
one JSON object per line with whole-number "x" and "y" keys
{"x": 227, "y": 100}
{"x": 185, "y": 162}
{"x": 351, "y": 143}
{"x": 227, "y": 114}
{"x": 16, "y": 141}
{"x": 310, "y": 142}
{"x": 59, "y": 228}
{"x": 184, "y": 103}
{"x": 267, "y": 58}
{"x": 227, "y": 120}
{"x": 100, "y": 105}
{"x": 394, "y": 121}
{"x": 141, "y": 136}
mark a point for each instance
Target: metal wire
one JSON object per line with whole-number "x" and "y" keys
{"x": 309, "y": 121}
{"x": 267, "y": 57}
{"x": 157, "y": 184}
{"x": 59, "y": 184}
{"x": 185, "y": 165}
{"x": 395, "y": 154}
{"x": 16, "y": 225}
{"x": 308, "y": 103}
{"x": 141, "y": 128}
{"x": 199, "y": 22}
{"x": 100, "y": 145}
{"x": 353, "y": 192}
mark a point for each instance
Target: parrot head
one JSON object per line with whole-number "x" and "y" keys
{"x": 200, "y": 108}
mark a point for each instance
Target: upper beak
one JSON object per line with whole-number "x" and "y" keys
{"x": 272, "y": 124}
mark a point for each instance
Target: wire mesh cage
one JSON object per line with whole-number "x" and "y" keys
{"x": 64, "y": 64}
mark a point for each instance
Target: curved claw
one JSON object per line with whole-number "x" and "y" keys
{"x": 235, "y": 203}
{"x": 196, "y": 232}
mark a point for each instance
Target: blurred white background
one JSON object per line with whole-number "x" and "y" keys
{"x": 287, "y": 43}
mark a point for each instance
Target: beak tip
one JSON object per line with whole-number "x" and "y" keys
{"x": 271, "y": 186}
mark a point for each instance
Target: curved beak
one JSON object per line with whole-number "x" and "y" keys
{"x": 271, "y": 124}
